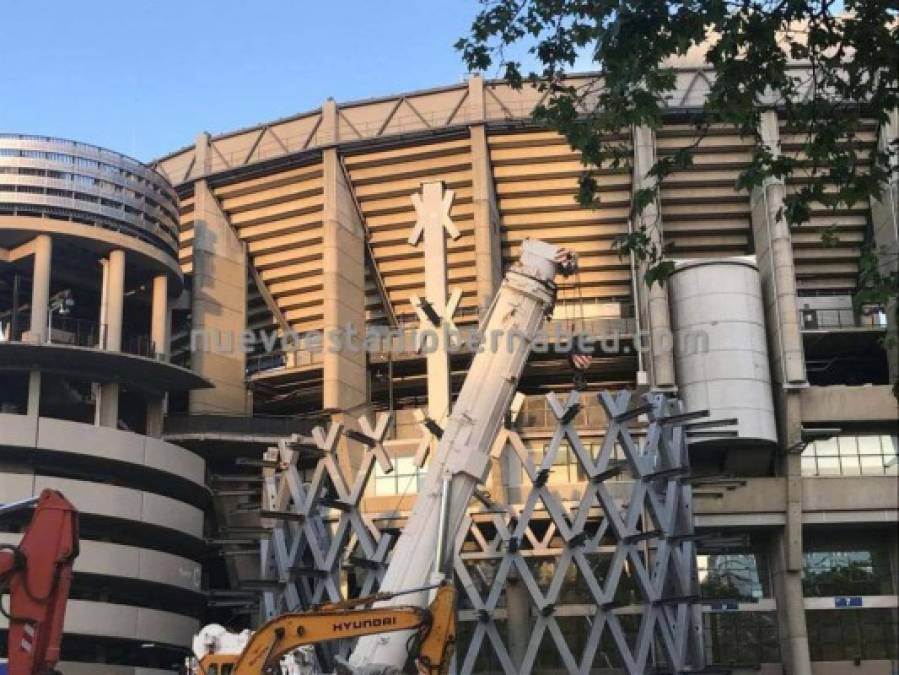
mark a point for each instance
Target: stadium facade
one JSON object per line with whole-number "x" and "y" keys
{"x": 301, "y": 228}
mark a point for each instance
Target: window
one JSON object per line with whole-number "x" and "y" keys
{"x": 405, "y": 479}
{"x": 848, "y": 634}
{"x": 744, "y": 638}
{"x": 863, "y": 455}
{"x": 567, "y": 469}
{"x": 733, "y": 576}
{"x": 847, "y": 570}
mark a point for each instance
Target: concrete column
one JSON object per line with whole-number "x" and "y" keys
{"x": 328, "y": 131}
{"x": 652, "y": 303}
{"x": 345, "y": 377}
{"x": 34, "y": 393}
{"x": 113, "y": 304}
{"x": 159, "y": 320}
{"x": 159, "y": 336}
{"x": 477, "y": 108}
{"x": 202, "y": 156}
{"x": 790, "y": 609}
{"x": 885, "y": 223}
{"x": 774, "y": 250}
{"x": 487, "y": 245}
{"x": 519, "y": 622}
{"x": 487, "y": 249}
{"x": 155, "y": 417}
{"x": 218, "y": 309}
{"x": 114, "y": 300}
{"x": 40, "y": 287}
{"x": 432, "y": 206}
{"x": 40, "y": 303}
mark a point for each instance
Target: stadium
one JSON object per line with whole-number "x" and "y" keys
{"x": 306, "y": 226}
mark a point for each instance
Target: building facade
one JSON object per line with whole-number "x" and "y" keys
{"x": 321, "y": 204}
{"x": 305, "y": 227}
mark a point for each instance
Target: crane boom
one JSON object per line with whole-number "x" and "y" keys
{"x": 461, "y": 459}
{"x": 38, "y": 573}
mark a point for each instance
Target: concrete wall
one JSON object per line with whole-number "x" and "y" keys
{"x": 103, "y": 442}
{"x": 867, "y": 403}
{"x": 131, "y": 562}
{"x": 125, "y": 621}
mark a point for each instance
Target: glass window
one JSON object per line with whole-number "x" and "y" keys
{"x": 828, "y": 446}
{"x": 567, "y": 469}
{"x": 848, "y": 634}
{"x": 745, "y": 638}
{"x": 405, "y": 479}
{"x": 847, "y": 569}
{"x": 855, "y": 455}
{"x": 733, "y": 576}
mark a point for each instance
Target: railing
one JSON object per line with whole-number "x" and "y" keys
{"x": 76, "y": 332}
{"x": 842, "y": 317}
{"x": 258, "y": 425}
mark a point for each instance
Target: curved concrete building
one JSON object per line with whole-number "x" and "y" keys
{"x": 88, "y": 242}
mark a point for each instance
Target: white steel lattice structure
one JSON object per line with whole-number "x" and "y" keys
{"x": 642, "y": 526}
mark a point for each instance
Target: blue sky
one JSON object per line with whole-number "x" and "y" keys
{"x": 145, "y": 77}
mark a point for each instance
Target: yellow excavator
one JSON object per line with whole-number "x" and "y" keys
{"x": 431, "y": 645}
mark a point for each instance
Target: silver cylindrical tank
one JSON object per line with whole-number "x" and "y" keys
{"x": 720, "y": 349}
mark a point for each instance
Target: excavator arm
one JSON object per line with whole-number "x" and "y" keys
{"x": 38, "y": 574}
{"x": 435, "y": 626}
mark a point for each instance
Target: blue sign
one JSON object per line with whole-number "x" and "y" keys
{"x": 847, "y": 601}
{"x": 726, "y": 606}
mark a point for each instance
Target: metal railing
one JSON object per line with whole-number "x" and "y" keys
{"x": 76, "y": 332}
{"x": 842, "y": 317}
{"x": 258, "y": 425}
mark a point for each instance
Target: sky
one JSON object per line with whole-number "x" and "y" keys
{"x": 145, "y": 77}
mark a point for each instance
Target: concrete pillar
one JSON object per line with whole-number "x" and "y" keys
{"x": 159, "y": 337}
{"x": 155, "y": 416}
{"x": 113, "y": 304}
{"x": 34, "y": 393}
{"x": 159, "y": 320}
{"x": 40, "y": 287}
{"x": 114, "y": 300}
{"x": 328, "y": 131}
{"x": 487, "y": 245}
{"x": 202, "y": 156}
{"x": 652, "y": 303}
{"x": 519, "y": 621}
{"x": 432, "y": 206}
{"x": 345, "y": 376}
{"x": 885, "y": 223}
{"x": 774, "y": 251}
{"x": 790, "y": 609}
{"x": 218, "y": 309}
{"x": 40, "y": 303}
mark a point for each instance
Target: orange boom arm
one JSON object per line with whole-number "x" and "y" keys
{"x": 38, "y": 573}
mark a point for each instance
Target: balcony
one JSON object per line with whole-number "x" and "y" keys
{"x": 842, "y": 318}
{"x": 843, "y": 345}
{"x": 75, "y": 347}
